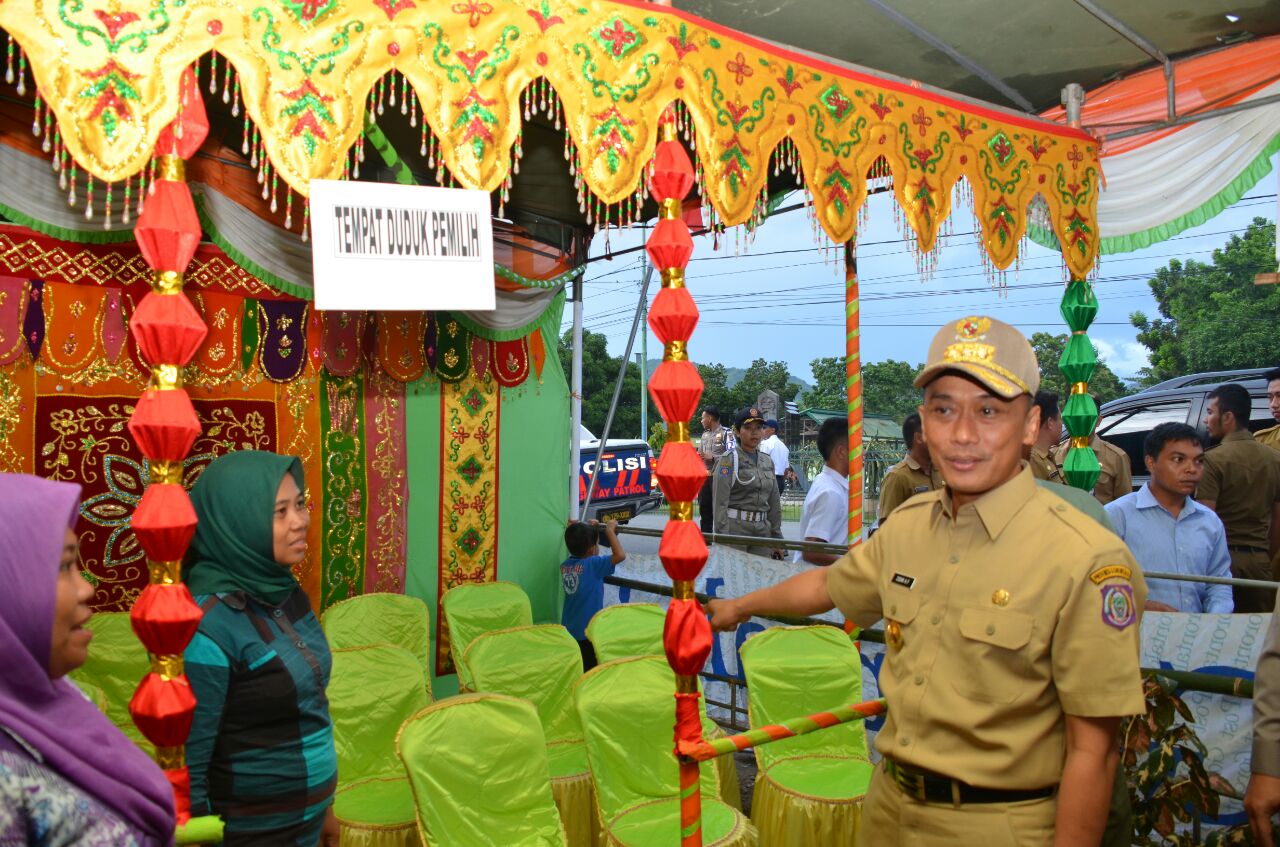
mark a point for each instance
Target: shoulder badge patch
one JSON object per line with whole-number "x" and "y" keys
{"x": 1118, "y": 609}
{"x": 903, "y": 580}
{"x": 1101, "y": 575}
{"x": 724, "y": 470}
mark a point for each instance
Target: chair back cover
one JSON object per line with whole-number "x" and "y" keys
{"x": 537, "y": 663}
{"x": 380, "y": 618}
{"x": 478, "y": 767}
{"x": 117, "y": 662}
{"x": 476, "y": 608}
{"x": 626, "y": 630}
{"x": 796, "y": 671}
{"x": 372, "y": 690}
{"x": 627, "y": 709}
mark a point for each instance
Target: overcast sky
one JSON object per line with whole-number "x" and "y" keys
{"x": 782, "y": 298}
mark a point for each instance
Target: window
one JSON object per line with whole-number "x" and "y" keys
{"x": 1128, "y": 428}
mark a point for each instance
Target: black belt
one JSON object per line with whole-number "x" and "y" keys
{"x": 932, "y": 788}
{"x": 1246, "y": 548}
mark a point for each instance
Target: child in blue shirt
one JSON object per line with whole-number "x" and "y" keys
{"x": 582, "y": 576}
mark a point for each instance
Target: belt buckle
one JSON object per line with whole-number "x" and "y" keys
{"x": 910, "y": 783}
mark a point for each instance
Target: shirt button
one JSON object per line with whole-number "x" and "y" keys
{"x": 935, "y": 620}
{"x": 953, "y": 559}
{"x": 301, "y": 644}
{"x": 919, "y": 680}
{"x": 904, "y": 741}
{"x": 893, "y": 610}
{"x": 278, "y": 613}
{"x": 1060, "y": 507}
{"x": 991, "y": 629}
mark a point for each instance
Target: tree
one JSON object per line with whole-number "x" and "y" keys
{"x": 828, "y": 390}
{"x": 762, "y": 376}
{"x": 887, "y": 389}
{"x": 1104, "y": 384}
{"x": 1212, "y": 315}
{"x": 599, "y": 373}
{"x": 715, "y": 391}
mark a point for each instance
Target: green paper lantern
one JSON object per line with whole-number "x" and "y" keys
{"x": 1080, "y": 415}
{"x": 1079, "y": 358}
{"x": 1081, "y": 468}
{"x": 1079, "y": 305}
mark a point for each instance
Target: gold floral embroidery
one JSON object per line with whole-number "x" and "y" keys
{"x": 220, "y": 319}
{"x": 452, "y": 328}
{"x": 70, "y": 346}
{"x": 217, "y": 352}
{"x": 283, "y": 323}
{"x": 451, "y": 359}
{"x": 76, "y": 309}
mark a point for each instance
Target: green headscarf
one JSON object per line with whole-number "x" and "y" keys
{"x": 235, "y": 500}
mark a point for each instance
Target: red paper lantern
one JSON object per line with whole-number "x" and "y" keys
{"x": 167, "y": 329}
{"x": 686, "y": 637}
{"x": 165, "y": 618}
{"x": 168, "y": 230}
{"x": 164, "y": 424}
{"x": 683, "y": 552}
{"x": 164, "y": 522}
{"x": 180, "y": 779}
{"x": 673, "y": 316}
{"x": 672, "y": 175}
{"x": 680, "y": 472}
{"x": 193, "y": 119}
{"x": 670, "y": 246}
{"x": 676, "y": 389}
{"x": 163, "y": 709}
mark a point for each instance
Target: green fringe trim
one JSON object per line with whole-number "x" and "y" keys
{"x": 77, "y": 236}
{"x": 280, "y": 284}
{"x": 1212, "y": 207}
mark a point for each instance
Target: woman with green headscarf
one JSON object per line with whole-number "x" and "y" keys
{"x": 261, "y": 750}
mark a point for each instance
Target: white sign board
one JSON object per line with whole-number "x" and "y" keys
{"x": 400, "y": 247}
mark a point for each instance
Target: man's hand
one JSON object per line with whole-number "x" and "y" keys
{"x": 724, "y": 615}
{"x": 612, "y": 526}
{"x": 1157, "y": 606}
{"x": 330, "y": 836}
{"x": 778, "y": 553}
{"x": 1261, "y": 800}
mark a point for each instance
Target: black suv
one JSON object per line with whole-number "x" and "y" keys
{"x": 1126, "y": 422}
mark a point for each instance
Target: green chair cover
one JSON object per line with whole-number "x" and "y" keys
{"x": 94, "y": 694}
{"x": 380, "y": 619}
{"x": 117, "y": 662}
{"x": 627, "y": 709}
{"x": 478, "y": 767}
{"x": 809, "y": 789}
{"x": 372, "y": 690}
{"x": 635, "y": 629}
{"x": 625, "y": 630}
{"x": 476, "y": 608}
{"x": 540, "y": 664}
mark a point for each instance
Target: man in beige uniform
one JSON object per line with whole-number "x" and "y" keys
{"x": 746, "y": 494}
{"x": 1241, "y": 483}
{"x": 713, "y": 444}
{"x": 1271, "y": 435}
{"x": 1115, "y": 478}
{"x": 1011, "y": 624}
{"x": 914, "y": 475}
{"x": 1047, "y": 438}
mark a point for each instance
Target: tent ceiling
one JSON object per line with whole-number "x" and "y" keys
{"x": 1036, "y": 47}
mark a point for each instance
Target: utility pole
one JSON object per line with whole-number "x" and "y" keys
{"x": 644, "y": 338}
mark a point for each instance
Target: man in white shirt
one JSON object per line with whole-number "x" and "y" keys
{"x": 826, "y": 508}
{"x": 773, "y": 447}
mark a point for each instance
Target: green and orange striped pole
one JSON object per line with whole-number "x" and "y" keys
{"x": 705, "y": 749}
{"x": 853, "y": 389}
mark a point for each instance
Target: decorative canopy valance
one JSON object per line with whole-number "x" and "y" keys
{"x": 307, "y": 68}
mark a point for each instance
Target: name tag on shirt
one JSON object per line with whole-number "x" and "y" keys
{"x": 905, "y": 581}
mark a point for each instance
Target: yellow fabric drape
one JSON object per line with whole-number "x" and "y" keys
{"x": 576, "y": 800}
{"x": 306, "y": 68}
{"x": 786, "y": 817}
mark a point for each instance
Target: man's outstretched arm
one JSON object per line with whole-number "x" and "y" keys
{"x": 802, "y": 595}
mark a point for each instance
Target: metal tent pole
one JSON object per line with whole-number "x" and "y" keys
{"x": 617, "y": 386}
{"x": 575, "y": 403}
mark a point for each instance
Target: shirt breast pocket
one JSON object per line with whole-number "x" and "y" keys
{"x": 993, "y": 664}
{"x": 901, "y": 608}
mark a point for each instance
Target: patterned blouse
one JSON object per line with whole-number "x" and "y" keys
{"x": 39, "y": 808}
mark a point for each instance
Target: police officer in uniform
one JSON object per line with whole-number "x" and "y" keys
{"x": 1011, "y": 623}
{"x": 713, "y": 444}
{"x": 1050, "y": 432}
{"x": 1115, "y": 478}
{"x": 915, "y": 474}
{"x": 1271, "y": 435}
{"x": 746, "y": 494}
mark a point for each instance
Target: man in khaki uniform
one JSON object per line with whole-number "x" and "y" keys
{"x": 1050, "y": 433}
{"x": 914, "y": 475}
{"x": 1271, "y": 435}
{"x": 1115, "y": 478}
{"x": 1262, "y": 798}
{"x": 713, "y": 444}
{"x": 1011, "y": 623}
{"x": 1241, "y": 483}
{"x": 746, "y": 494}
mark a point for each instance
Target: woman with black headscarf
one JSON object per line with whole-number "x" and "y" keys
{"x": 261, "y": 750}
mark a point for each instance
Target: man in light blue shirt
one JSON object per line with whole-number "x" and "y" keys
{"x": 1168, "y": 531}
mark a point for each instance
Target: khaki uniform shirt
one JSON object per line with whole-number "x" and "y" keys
{"x": 1269, "y": 436}
{"x": 712, "y": 445}
{"x": 904, "y": 481}
{"x": 1266, "y": 705}
{"x": 1242, "y": 479}
{"x": 1115, "y": 478}
{"x": 753, "y": 489}
{"x": 1000, "y": 619}
{"x": 1042, "y": 467}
